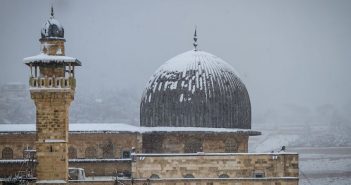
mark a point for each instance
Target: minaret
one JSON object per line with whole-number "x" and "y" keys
{"x": 52, "y": 85}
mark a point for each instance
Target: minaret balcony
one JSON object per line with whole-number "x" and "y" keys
{"x": 52, "y": 83}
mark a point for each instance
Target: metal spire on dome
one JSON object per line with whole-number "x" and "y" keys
{"x": 52, "y": 11}
{"x": 195, "y": 39}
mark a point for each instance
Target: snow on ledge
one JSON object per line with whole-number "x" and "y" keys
{"x": 99, "y": 160}
{"x": 215, "y": 178}
{"x": 21, "y": 161}
{"x": 120, "y": 127}
{"x": 50, "y": 89}
{"x": 54, "y": 141}
{"x": 49, "y": 58}
{"x": 207, "y": 154}
{"x": 112, "y": 178}
{"x": 14, "y": 161}
{"x": 51, "y": 182}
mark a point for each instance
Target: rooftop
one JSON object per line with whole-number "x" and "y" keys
{"x": 47, "y": 59}
{"x": 121, "y": 127}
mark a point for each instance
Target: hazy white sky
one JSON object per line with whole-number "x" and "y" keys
{"x": 286, "y": 51}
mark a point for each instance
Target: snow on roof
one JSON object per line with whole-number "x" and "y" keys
{"x": 54, "y": 141}
{"x": 51, "y": 182}
{"x": 100, "y": 160}
{"x": 12, "y": 161}
{"x": 44, "y": 58}
{"x": 9, "y": 161}
{"x": 52, "y": 29}
{"x": 207, "y": 154}
{"x": 205, "y": 63}
{"x": 215, "y": 178}
{"x": 186, "y": 60}
{"x": 120, "y": 127}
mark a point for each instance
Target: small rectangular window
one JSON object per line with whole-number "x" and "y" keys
{"x": 258, "y": 175}
{"x": 125, "y": 154}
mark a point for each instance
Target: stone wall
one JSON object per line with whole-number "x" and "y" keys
{"x": 215, "y": 165}
{"x": 232, "y": 181}
{"x": 119, "y": 142}
{"x": 101, "y": 142}
{"x": 53, "y": 47}
{"x": 107, "y": 168}
{"x": 10, "y": 168}
{"x": 92, "y": 168}
{"x": 190, "y": 142}
{"x": 113, "y": 144}
{"x": 105, "y": 145}
{"x": 17, "y": 143}
{"x": 52, "y": 113}
{"x": 188, "y": 182}
{"x": 48, "y": 71}
{"x": 276, "y": 168}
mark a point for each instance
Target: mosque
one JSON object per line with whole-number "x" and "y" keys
{"x": 195, "y": 123}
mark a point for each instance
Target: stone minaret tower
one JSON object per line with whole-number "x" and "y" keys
{"x": 52, "y": 85}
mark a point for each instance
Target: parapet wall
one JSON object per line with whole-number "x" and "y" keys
{"x": 185, "y": 182}
{"x": 228, "y": 181}
{"x": 215, "y": 165}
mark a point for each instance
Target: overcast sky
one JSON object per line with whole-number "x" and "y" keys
{"x": 287, "y": 52}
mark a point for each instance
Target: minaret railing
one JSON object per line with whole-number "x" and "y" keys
{"x": 52, "y": 82}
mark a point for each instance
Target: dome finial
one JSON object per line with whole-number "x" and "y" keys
{"x": 52, "y": 11}
{"x": 195, "y": 39}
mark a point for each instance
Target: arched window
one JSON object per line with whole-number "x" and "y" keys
{"x": 223, "y": 176}
{"x": 189, "y": 176}
{"x": 72, "y": 153}
{"x": 107, "y": 150}
{"x": 193, "y": 146}
{"x": 90, "y": 153}
{"x": 154, "y": 176}
{"x": 231, "y": 145}
{"x": 7, "y": 153}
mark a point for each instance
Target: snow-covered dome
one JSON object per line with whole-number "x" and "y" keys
{"x": 195, "y": 89}
{"x": 52, "y": 28}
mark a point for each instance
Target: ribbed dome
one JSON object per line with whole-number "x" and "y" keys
{"x": 195, "y": 89}
{"x": 52, "y": 29}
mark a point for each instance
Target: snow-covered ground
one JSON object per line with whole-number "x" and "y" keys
{"x": 318, "y": 165}
{"x": 325, "y": 166}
